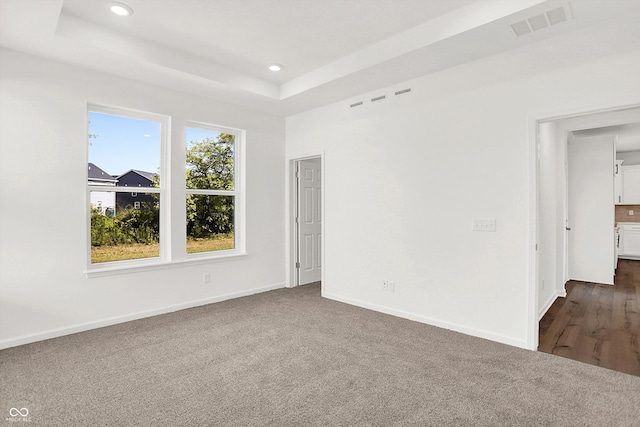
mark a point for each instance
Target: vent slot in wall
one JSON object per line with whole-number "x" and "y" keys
{"x": 541, "y": 21}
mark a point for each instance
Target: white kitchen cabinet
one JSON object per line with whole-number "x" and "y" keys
{"x": 629, "y": 240}
{"x": 631, "y": 185}
{"x": 617, "y": 175}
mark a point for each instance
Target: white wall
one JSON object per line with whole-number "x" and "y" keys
{"x": 552, "y": 213}
{"x": 548, "y": 227}
{"x": 43, "y": 289}
{"x": 590, "y": 209}
{"x": 562, "y": 263}
{"x": 405, "y": 176}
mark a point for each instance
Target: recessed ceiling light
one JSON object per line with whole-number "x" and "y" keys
{"x": 276, "y": 67}
{"x": 120, "y": 9}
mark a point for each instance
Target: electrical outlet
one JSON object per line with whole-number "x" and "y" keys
{"x": 206, "y": 278}
{"x": 630, "y": 212}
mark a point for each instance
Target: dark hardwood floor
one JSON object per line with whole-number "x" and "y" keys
{"x": 597, "y": 324}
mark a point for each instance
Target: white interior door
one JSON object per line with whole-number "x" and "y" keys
{"x": 590, "y": 210}
{"x": 309, "y": 221}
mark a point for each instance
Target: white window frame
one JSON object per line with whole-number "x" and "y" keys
{"x": 173, "y": 239}
{"x": 106, "y": 268}
{"x": 238, "y": 192}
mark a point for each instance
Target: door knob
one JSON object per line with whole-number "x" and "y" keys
{"x": 568, "y": 228}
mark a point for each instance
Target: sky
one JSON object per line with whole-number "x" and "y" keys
{"x": 194, "y": 134}
{"x": 123, "y": 143}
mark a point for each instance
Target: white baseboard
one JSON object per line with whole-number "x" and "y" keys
{"x": 431, "y": 321}
{"x": 547, "y": 305}
{"x": 59, "y": 332}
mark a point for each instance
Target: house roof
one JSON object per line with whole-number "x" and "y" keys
{"x": 144, "y": 174}
{"x": 97, "y": 174}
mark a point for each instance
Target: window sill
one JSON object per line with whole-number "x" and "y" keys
{"x": 113, "y": 269}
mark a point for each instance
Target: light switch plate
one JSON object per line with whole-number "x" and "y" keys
{"x": 484, "y": 224}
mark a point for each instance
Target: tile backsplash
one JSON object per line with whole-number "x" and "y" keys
{"x": 622, "y": 213}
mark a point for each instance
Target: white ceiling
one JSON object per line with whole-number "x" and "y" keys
{"x": 627, "y": 134}
{"x": 331, "y": 49}
{"x": 622, "y": 124}
{"x": 247, "y": 35}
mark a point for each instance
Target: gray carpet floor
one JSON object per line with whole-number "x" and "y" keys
{"x": 291, "y": 358}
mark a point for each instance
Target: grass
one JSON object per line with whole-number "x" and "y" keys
{"x": 220, "y": 243}
{"x": 101, "y": 254}
{"x": 124, "y": 252}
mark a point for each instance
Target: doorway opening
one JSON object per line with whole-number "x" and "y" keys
{"x": 559, "y": 141}
{"x": 306, "y": 221}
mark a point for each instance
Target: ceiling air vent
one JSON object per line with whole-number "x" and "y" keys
{"x": 400, "y": 92}
{"x": 556, "y": 16}
{"x": 357, "y": 104}
{"x": 378, "y": 98}
{"x": 521, "y": 28}
{"x": 538, "y": 22}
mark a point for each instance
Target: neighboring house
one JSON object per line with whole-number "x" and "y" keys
{"x": 135, "y": 178}
{"x": 103, "y": 200}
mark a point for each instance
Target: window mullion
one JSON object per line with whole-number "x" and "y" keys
{"x": 125, "y": 189}
{"x": 211, "y": 192}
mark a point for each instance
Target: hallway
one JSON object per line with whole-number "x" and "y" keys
{"x": 597, "y": 324}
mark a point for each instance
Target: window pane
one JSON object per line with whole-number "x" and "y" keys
{"x": 123, "y": 151}
{"x": 210, "y": 159}
{"x": 124, "y": 232}
{"x": 210, "y": 223}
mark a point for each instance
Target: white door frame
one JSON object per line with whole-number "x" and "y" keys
{"x": 291, "y": 250}
{"x": 534, "y": 121}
